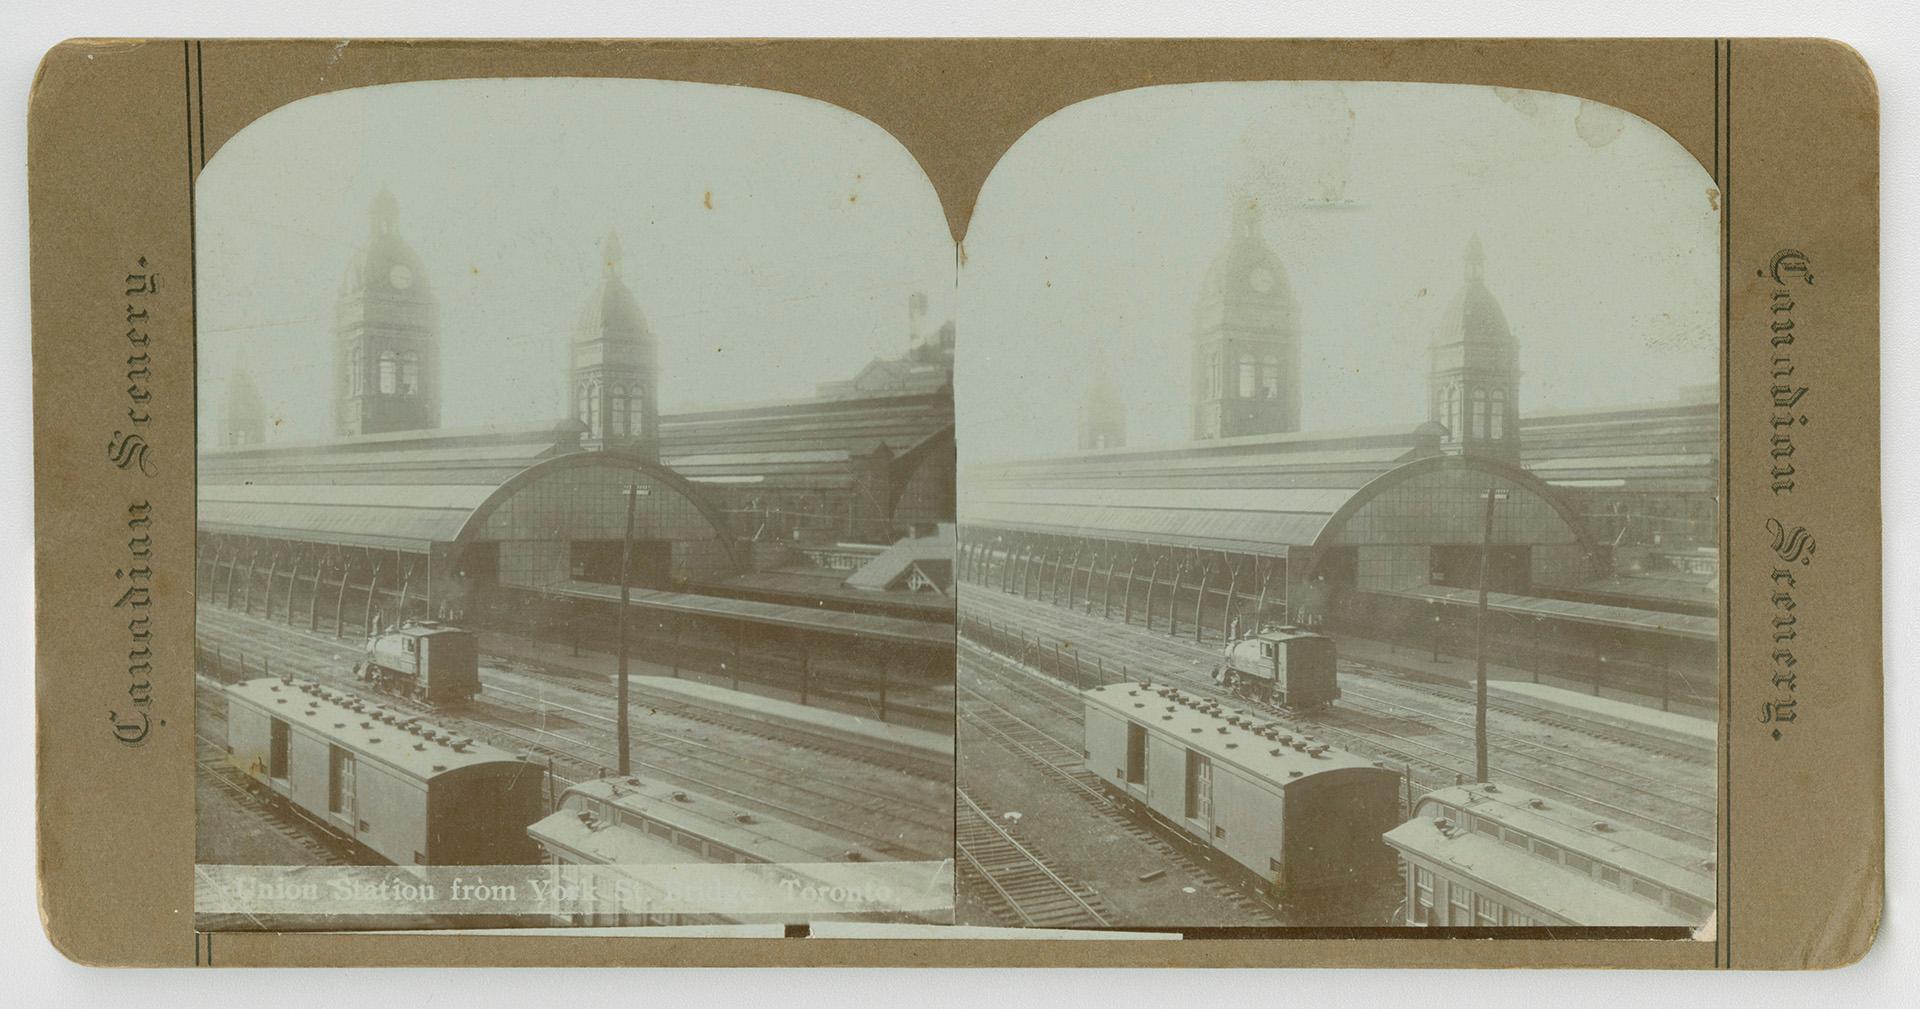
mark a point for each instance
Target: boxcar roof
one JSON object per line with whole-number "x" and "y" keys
{"x": 392, "y": 736}
{"x": 769, "y": 838}
{"x": 1223, "y": 733}
{"x": 1669, "y": 863}
{"x": 1551, "y": 887}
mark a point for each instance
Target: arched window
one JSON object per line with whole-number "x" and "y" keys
{"x": 593, "y": 409}
{"x": 1249, "y": 377}
{"x": 1478, "y": 424}
{"x": 1270, "y": 378}
{"x": 1499, "y": 414}
{"x": 581, "y": 409}
{"x": 1450, "y": 413}
{"x": 618, "y": 404}
{"x": 409, "y": 373}
{"x": 389, "y": 373}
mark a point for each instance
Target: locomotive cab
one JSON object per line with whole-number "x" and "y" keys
{"x": 1286, "y": 666}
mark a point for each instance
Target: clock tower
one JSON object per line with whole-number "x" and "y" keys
{"x": 386, "y": 336}
{"x": 1246, "y": 339}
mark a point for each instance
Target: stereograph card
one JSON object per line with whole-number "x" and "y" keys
{"x": 895, "y": 502}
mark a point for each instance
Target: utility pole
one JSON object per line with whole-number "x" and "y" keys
{"x": 1480, "y": 645}
{"x": 626, "y": 569}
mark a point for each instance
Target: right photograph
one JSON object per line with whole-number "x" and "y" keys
{"x": 1338, "y": 491}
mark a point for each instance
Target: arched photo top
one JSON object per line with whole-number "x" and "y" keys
{"x": 1114, "y": 233}
{"x": 767, "y": 244}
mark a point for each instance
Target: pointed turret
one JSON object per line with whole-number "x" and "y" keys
{"x": 1475, "y": 381}
{"x": 613, "y": 374}
{"x": 1246, "y": 338}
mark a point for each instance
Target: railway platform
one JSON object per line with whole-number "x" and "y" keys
{"x": 656, "y": 679}
{"x": 1420, "y": 662}
{"x": 1673, "y": 727}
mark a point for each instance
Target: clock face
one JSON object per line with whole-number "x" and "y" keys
{"x": 400, "y": 277}
{"x": 1261, "y": 279}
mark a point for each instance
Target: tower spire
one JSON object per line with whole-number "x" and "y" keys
{"x": 610, "y": 251}
{"x": 1476, "y": 259}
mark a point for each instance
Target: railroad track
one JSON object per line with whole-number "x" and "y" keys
{"x": 861, "y": 814}
{"x": 210, "y": 759}
{"x": 1024, "y": 882}
{"x": 250, "y": 628}
{"x": 1064, "y": 761}
{"x": 1189, "y": 665}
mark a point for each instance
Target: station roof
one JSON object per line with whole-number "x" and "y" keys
{"x": 808, "y": 443}
{"x": 1679, "y": 624}
{"x": 898, "y": 630}
{"x": 1226, "y": 734}
{"x": 1657, "y": 448}
{"x": 395, "y": 737}
{"x": 1668, "y": 863}
{"x": 1254, "y": 495}
{"x": 402, "y": 491}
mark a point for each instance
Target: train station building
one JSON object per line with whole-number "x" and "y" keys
{"x": 1603, "y": 521}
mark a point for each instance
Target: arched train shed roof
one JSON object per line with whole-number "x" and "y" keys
{"x": 1270, "y": 495}
{"x": 405, "y": 491}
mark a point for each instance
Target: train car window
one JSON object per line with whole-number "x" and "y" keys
{"x": 1609, "y": 875}
{"x": 409, "y": 644}
{"x": 1579, "y": 863}
{"x": 1482, "y": 825}
{"x": 687, "y": 841}
{"x": 1514, "y": 838}
{"x": 1486, "y": 911}
{"x": 277, "y": 749}
{"x": 1546, "y": 851}
{"x": 1517, "y": 919}
{"x": 659, "y": 829}
{"x": 1266, "y": 649}
{"x": 1642, "y": 888}
{"x": 1459, "y": 904}
{"x": 1422, "y": 896}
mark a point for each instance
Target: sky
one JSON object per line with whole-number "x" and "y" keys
{"x": 1094, "y": 232}
{"x": 772, "y": 241}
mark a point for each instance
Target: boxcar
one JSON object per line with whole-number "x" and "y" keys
{"x": 1298, "y": 814}
{"x": 1488, "y": 855}
{"x": 405, "y": 790}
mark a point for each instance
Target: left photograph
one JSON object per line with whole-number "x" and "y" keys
{"x": 575, "y": 513}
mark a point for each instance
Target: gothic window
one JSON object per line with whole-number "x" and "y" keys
{"x": 409, "y": 373}
{"x": 1477, "y": 427}
{"x": 1499, "y": 414}
{"x": 593, "y": 409}
{"x": 1450, "y": 413}
{"x": 389, "y": 373}
{"x": 1270, "y": 378}
{"x": 1249, "y": 376}
{"x": 580, "y": 408}
{"x": 619, "y": 405}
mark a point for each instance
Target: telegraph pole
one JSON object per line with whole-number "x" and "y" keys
{"x": 1480, "y": 646}
{"x": 626, "y": 566}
